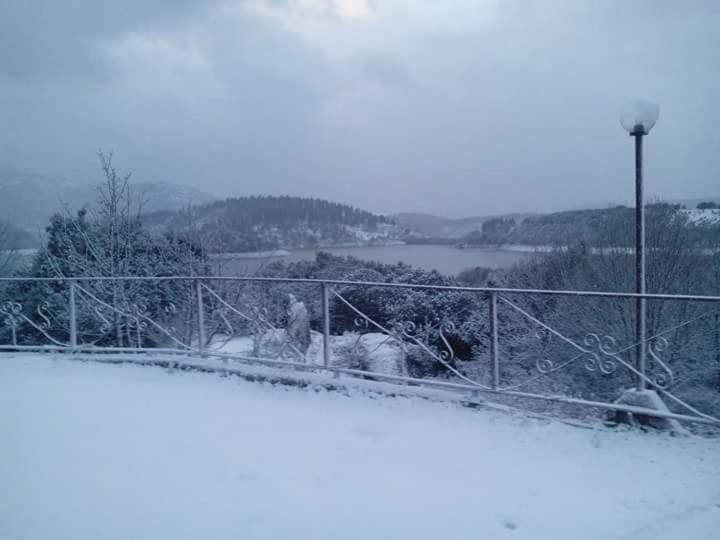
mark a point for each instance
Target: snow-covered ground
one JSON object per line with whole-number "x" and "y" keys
{"x": 94, "y": 451}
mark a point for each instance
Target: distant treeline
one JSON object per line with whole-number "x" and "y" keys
{"x": 610, "y": 227}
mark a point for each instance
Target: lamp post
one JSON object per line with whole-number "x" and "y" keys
{"x": 638, "y": 117}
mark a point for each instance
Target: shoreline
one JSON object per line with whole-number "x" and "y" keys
{"x": 286, "y": 252}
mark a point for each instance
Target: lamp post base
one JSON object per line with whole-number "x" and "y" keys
{"x": 648, "y": 399}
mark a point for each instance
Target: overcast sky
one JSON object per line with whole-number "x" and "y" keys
{"x": 455, "y": 107}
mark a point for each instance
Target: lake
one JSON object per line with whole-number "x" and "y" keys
{"x": 445, "y": 259}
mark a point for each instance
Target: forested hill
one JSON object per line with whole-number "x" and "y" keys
{"x": 607, "y": 227}
{"x": 265, "y": 222}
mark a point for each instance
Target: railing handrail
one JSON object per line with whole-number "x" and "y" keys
{"x": 316, "y": 281}
{"x": 600, "y": 353}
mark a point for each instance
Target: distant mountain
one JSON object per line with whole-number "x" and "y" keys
{"x": 263, "y": 223}
{"x": 437, "y": 227}
{"x": 12, "y": 238}
{"x": 28, "y": 200}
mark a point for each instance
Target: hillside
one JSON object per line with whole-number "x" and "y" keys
{"x": 28, "y": 200}
{"x": 601, "y": 227}
{"x": 260, "y": 223}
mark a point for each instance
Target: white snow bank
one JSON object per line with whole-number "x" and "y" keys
{"x": 114, "y": 452}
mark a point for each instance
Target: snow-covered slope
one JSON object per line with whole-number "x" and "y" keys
{"x": 118, "y": 452}
{"x": 708, "y": 216}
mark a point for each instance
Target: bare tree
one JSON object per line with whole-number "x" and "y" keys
{"x": 109, "y": 240}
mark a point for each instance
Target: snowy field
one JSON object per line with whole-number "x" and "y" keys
{"x": 93, "y": 451}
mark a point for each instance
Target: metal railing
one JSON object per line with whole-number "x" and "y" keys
{"x": 567, "y": 347}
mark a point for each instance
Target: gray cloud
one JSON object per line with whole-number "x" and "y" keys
{"x": 463, "y": 107}
{"x": 46, "y": 39}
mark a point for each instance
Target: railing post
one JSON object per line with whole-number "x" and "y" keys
{"x": 717, "y": 345}
{"x": 326, "y": 324}
{"x": 641, "y": 336}
{"x": 201, "y": 317}
{"x": 73, "y": 318}
{"x": 494, "y": 341}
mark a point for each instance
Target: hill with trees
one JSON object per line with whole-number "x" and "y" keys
{"x": 609, "y": 227}
{"x": 261, "y": 223}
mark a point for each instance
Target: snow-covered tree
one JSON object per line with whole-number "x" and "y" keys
{"x": 109, "y": 240}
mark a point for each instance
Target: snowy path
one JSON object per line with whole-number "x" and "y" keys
{"x": 92, "y": 451}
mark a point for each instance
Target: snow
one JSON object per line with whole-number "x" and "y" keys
{"x": 118, "y": 451}
{"x": 709, "y": 216}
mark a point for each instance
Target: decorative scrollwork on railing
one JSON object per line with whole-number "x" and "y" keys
{"x": 657, "y": 345}
{"x": 544, "y": 365}
{"x": 105, "y": 324}
{"x": 137, "y": 317}
{"x": 607, "y": 346}
{"x": 545, "y": 333}
{"x": 11, "y": 312}
{"x": 542, "y": 335}
{"x": 447, "y": 353}
{"x": 403, "y": 329}
{"x": 136, "y": 314}
{"x": 409, "y": 330}
{"x": 43, "y": 311}
{"x": 170, "y": 310}
{"x": 604, "y": 357}
{"x": 14, "y": 316}
{"x": 601, "y": 353}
